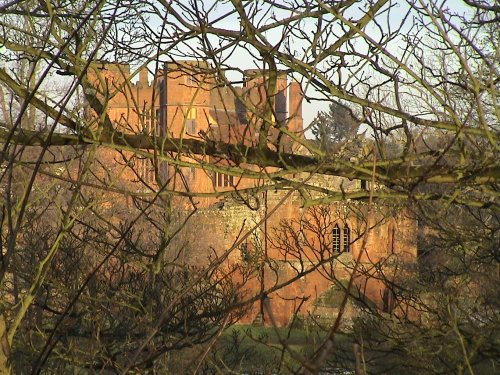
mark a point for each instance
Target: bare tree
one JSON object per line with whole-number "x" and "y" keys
{"x": 89, "y": 197}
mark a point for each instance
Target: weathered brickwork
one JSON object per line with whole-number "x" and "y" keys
{"x": 286, "y": 240}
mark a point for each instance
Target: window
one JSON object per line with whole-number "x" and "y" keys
{"x": 159, "y": 128}
{"x": 146, "y": 170}
{"x": 163, "y": 172}
{"x": 191, "y": 126}
{"x": 191, "y": 113}
{"x": 213, "y": 131}
{"x": 347, "y": 238}
{"x": 190, "y": 80}
{"x": 388, "y": 300}
{"x": 228, "y": 180}
{"x": 222, "y": 180}
{"x": 145, "y": 122}
{"x": 161, "y": 113}
{"x": 191, "y": 121}
{"x": 336, "y": 239}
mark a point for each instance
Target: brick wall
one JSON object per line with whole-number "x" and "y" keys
{"x": 184, "y": 92}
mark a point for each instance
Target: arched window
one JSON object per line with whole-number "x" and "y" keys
{"x": 347, "y": 238}
{"x": 336, "y": 238}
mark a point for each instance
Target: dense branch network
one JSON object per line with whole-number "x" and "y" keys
{"x": 97, "y": 199}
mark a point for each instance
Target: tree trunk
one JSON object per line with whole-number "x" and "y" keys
{"x": 4, "y": 347}
{"x": 357, "y": 355}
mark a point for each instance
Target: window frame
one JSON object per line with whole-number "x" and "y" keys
{"x": 222, "y": 180}
{"x": 191, "y": 126}
{"x": 336, "y": 239}
{"x": 346, "y": 239}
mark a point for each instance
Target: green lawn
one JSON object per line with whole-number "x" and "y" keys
{"x": 257, "y": 349}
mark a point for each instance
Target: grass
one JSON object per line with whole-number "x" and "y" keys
{"x": 256, "y": 349}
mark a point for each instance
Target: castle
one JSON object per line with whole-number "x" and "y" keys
{"x": 311, "y": 252}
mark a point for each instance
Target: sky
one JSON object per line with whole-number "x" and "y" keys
{"x": 245, "y": 59}
{"x": 242, "y": 59}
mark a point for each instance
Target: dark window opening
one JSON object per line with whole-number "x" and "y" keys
{"x": 163, "y": 172}
{"x": 280, "y": 101}
{"x": 336, "y": 239}
{"x": 162, "y": 111}
{"x": 159, "y": 127}
{"x": 191, "y": 126}
{"x": 388, "y": 300}
{"x": 347, "y": 238}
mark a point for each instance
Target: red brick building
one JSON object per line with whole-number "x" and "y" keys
{"x": 190, "y": 100}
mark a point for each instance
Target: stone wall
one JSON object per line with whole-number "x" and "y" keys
{"x": 267, "y": 253}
